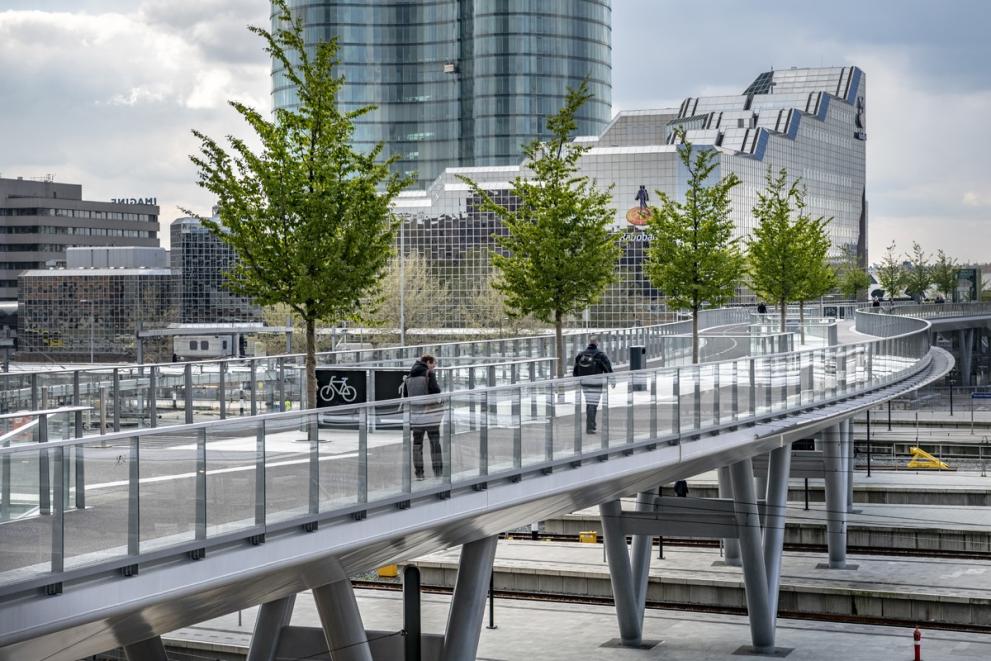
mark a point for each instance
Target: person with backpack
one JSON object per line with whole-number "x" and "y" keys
{"x": 681, "y": 489}
{"x": 589, "y": 364}
{"x": 425, "y": 417}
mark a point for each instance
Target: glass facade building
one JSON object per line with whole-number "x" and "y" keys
{"x": 460, "y": 83}
{"x": 809, "y": 121}
{"x": 199, "y": 262}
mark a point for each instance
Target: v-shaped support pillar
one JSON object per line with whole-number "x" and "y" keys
{"x": 760, "y": 548}
{"x": 629, "y": 582}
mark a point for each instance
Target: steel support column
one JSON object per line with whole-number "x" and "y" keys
{"x": 848, "y": 457}
{"x": 731, "y": 547}
{"x": 778, "y": 470}
{"x": 836, "y": 514}
{"x": 751, "y": 553}
{"x": 641, "y": 556}
{"x": 464, "y": 619}
{"x": 620, "y": 575}
{"x": 272, "y": 617}
{"x": 965, "y": 338}
{"x": 341, "y": 620}
{"x": 151, "y": 649}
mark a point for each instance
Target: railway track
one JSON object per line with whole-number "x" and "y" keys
{"x": 679, "y": 542}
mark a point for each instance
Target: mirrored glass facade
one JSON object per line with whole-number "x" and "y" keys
{"x": 461, "y": 82}
{"x": 810, "y": 121}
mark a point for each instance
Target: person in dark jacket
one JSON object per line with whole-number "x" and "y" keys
{"x": 762, "y": 308}
{"x": 681, "y": 488}
{"x": 590, "y": 364}
{"x": 425, "y": 417}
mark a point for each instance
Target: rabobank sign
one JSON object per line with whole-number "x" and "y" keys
{"x": 135, "y": 200}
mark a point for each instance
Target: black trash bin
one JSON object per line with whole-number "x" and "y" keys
{"x": 638, "y": 361}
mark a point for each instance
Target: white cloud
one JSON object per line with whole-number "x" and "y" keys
{"x": 973, "y": 199}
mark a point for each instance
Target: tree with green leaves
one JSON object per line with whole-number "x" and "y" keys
{"x": 775, "y": 250}
{"x": 816, "y": 276}
{"x": 918, "y": 276}
{"x": 890, "y": 274}
{"x": 308, "y": 215}
{"x": 560, "y": 252}
{"x": 851, "y": 278}
{"x": 408, "y": 285}
{"x": 693, "y": 257}
{"x": 944, "y": 274}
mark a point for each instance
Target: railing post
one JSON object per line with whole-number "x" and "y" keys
{"x": 152, "y": 396}
{"x": 281, "y": 364}
{"x": 408, "y": 452}
{"x": 78, "y": 452}
{"x": 605, "y": 411}
{"x": 676, "y": 405}
{"x": 134, "y": 498}
{"x": 549, "y": 424}
{"x": 187, "y": 377}
{"x": 483, "y": 436}
{"x": 517, "y": 421}
{"x": 253, "y": 387}
{"x": 578, "y": 420}
{"x": 716, "y": 403}
{"x": 752, "y": 395}
{"x": 44, "y": 483}
{"x": 222, "y": 388}
{"x": 697, "y": 398}
{"x": 260, "y": 503}
{"x": 116, "y": 399}
{"x": 653, "y": 404}
{"x": 629, "y": 407}
{"x": 362, "y": 456}
{"x": 201, "y": 485}
{"x": 58, "y": 520}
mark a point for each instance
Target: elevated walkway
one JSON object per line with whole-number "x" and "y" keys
{"x": 264, "y": 522}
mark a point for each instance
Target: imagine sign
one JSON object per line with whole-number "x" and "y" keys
{"x": 135, "y": 200}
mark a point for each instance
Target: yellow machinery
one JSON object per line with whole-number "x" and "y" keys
{"x": 389, "y": 571}
{"x": 922, "y": 459}
{"x": 588, "y": 537}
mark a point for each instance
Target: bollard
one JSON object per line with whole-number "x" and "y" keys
{"x": 918, "y": 644}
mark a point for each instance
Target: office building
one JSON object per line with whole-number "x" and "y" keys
{"x": 199, "y": 263}
{"x": 810, "y": 121}
{"x": 92, "y": 307}
{"x": 39, "y": 219}
{"x": 460, "y": 83}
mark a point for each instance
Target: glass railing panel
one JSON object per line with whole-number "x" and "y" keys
{"x": 96, "y": 502}
{"x": 288, "y": 448}
{"x": 237, "y": 387}
{"x": 690, "y": 401}
{"x": 536, "y": 413}
{"x": 503, "y": 425}
{"x": 26, "y": 534}
{"x": 728, "y": 392}
{"x": 615, "y": 405}
{"x": 570, "y": 404}
{"x": 170, "y": 394}
{"x": 467, "y": 419}
{"x": 708, "y": 384}
{"x": 644, "y": 405}
{"x": 268, "y": 387}
{"x": 233, "y": 453}
{"x": 667, "y": 402}
{"x": 167, "y": 469}
{"x": 744, "y": 391}
{"x": 347, "y": 436}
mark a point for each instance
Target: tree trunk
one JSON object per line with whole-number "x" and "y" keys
{"x": 801, "y": 320}
{"x": 695, "y": 335}
{"x": 311, "y": 363}
{"x": 559, "y": 342}
{"x": 783, "y": 307}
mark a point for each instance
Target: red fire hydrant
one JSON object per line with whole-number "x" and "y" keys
{"x": 918, "y": 644}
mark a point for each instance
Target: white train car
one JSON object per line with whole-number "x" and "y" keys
{"x": 190, "y": 347}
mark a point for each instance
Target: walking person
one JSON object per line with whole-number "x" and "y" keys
{"x": 591, "y": 363}
{"x": 681, "y": 489}
{"x": 762, "y": 308}
{"x": 425, "y": 416}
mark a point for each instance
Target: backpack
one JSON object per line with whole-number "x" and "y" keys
{"x": 587, "y": 364}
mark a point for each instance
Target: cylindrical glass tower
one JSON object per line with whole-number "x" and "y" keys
{"x": 461, "y": 82}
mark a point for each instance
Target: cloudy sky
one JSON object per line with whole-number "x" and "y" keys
{"x": 104, "y": 92}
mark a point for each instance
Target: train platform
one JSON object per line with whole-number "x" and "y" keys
{"x": 940, "y": 590}
{"x": 528, "y": 630}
